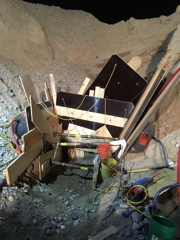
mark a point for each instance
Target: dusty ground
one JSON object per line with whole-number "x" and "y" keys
{"x": 40, "y": 40}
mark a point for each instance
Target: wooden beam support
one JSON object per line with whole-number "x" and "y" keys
{"x": 28, "y": 88}
{"x": 91, "y": 116}
{"x": 30, "y": 138}
{"x": 21, "y": 163}
{"x": 42, "y": 123}
{"x": 84, "y": 86}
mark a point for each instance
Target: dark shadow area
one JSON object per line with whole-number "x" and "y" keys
{"x": 114, "y": 11}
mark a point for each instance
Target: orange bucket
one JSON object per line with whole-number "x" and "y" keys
{"x": 104, "y": 151}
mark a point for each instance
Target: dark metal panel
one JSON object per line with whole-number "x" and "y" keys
{"x": 113, "y": 108}
{"x": 125, "y": 84}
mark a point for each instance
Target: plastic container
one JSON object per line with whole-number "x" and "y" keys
{"x": 104, "y": 151}
{"x": 161, "y": 228}
{"x": 106, "y": 171}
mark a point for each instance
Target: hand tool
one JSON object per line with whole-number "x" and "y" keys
{"x": 151, "y": 111}
{"x": 143, "y": 169}
{"x": 136, "y": 191}
{"x": 141, "y": 181}
{"x": 83, "y": 136}
{"x": 84, "y": 168}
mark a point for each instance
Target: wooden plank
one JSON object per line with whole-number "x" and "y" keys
{"x": 21, "y": 163}
{"x": 47, "y": 93}
{"x": 91, "y": 93}
{"x": 53, "y": 121}
{"x": 42, "y": 123}
{"x": 135, "y": 63}
{"x": 30, "y": 138}
{"x": 84, "y": 86}
{"x": 28, "y": 87}
{"x": 44, "y": 161}
{"x": 53, "y": 88}
{"x": 101, "y": 92}
{"x": 91, "y": 116}
{"x": 144, "y": 100}
{"x": 96, "y": 93}
{"x": 106, "y": 233}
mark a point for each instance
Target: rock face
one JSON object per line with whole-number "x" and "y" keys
{"x": 33, "y": 35}
{"x": 22, "y": 37}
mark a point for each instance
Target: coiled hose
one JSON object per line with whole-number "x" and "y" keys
{"x": 161, "y": 190}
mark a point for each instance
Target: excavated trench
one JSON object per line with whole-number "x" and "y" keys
{"x": 64, "y": 205}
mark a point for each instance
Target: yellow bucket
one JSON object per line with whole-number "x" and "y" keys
{"x": 106, "y": 171}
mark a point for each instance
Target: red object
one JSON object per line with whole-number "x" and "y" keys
{"x": 13, "y": 136}
{"x": 165, "y": 85}
{"x": 143, "y": 138}
{"x": 104, "y": 151}
{"x": 178, "y": 174}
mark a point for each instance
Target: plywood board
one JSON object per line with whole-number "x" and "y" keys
{"x": 42, "y": 123}
{"x": 106, "y": 233}
{"x": 30, "y": 138}
{"x": 21, "y": 163}
{"x": 28, "y": 87}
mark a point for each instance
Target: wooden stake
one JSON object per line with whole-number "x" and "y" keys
{"x": 28, "y": 88}
{"x": 42, "y": 123}
{"x": 84, "y": 86}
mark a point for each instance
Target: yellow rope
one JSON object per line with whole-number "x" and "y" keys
{"x": 67, "y": 119}
{"x": 107, "y": 190}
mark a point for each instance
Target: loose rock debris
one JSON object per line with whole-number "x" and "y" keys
{"x": 66, "y": 207}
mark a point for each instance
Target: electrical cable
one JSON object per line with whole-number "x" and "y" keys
{"x": 161, "y": 190}
{"x": 136, "y": 203}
